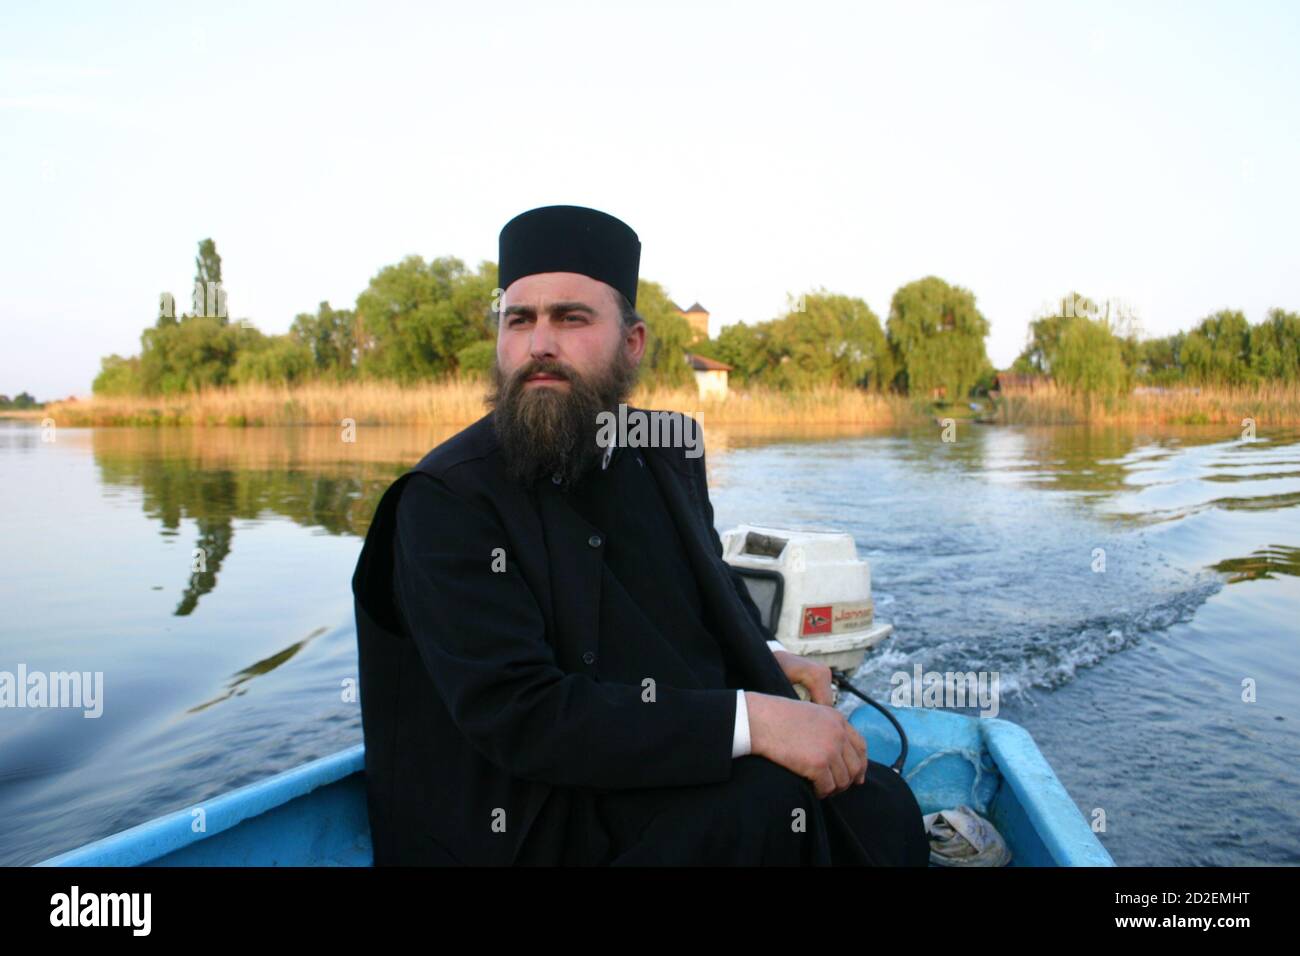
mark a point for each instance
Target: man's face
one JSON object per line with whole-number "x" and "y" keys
{"x": 561, "y": 318}
{"x": 562, "y": 357}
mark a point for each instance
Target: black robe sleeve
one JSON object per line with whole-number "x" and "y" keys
{"x": 482, "y": 637}
{"x": 737, "y": 581}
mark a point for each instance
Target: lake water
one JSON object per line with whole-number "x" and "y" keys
{"x": 986, "y": 554}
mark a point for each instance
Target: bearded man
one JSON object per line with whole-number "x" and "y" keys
{"x": 556, "y": 665}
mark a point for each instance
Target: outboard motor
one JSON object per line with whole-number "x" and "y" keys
{"x": 814, "y": 596}
{"x": 812, "y": 590}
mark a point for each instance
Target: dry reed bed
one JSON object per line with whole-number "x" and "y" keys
{"x": 460, "y": 401}
{"x": 1274, "y": 403}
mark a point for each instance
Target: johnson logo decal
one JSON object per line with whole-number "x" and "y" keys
{"x": 817, "y": 620}
{"x": 836, "y": 618}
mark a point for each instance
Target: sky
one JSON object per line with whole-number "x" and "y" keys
{"x": 1142, "y": 153}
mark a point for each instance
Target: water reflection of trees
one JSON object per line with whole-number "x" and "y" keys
{"x": 264, "y": 666}
{"x": 1064, "y": 458}
{"x": 1264, "y": 564}
{"x": 1093, "y": 460}
{"x": 214, "y": 544}
{"x": 215, "y": 477}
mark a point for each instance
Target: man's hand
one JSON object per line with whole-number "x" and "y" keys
{"x": 816, "y": 742}
{"x": 815, "y": 677}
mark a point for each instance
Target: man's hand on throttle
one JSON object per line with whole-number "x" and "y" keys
{"x": 815, "y": 677}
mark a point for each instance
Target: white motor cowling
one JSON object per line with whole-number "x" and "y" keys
{"x": 812, "y": 591}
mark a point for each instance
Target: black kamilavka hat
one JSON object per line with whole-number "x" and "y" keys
{"x": 570, "y": 239}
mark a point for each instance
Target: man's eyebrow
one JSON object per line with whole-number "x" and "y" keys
{"x": 555, "y": 309}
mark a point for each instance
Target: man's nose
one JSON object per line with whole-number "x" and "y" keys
{"x": 541, "y": 342}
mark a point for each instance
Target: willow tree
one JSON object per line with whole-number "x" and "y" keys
{"x": 832, "y": 340}
{"x": 1044, "y": 340}
{"x": 1275, "y": 346}
{"x": 1089, "y": 359}
{"x": 414, "y": 317}
{"x": 747, "y": 347}
{"x": 937, "y": 336}
{"x": 1218, "y": 350}
{"x": 667, "y": 336}
{"x": 330, "y": 336}
{"x": 196, "y": 353}
{"x": 1160, "y": 359}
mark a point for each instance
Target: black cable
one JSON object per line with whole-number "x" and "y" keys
{"x": 897, "y": 765}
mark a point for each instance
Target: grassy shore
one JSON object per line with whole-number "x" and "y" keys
{"x": 376, "y": 403}
{"x": 461, "y": 401}
{"x": 1276, "y": 403}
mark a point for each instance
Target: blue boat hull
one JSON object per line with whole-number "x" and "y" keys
{"x": 315, "y": 815}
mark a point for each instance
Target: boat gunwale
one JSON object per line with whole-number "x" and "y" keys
{"x": 154, "y": 839}
{"x": 1047, "y": 805}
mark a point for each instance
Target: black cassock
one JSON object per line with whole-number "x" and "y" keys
{"x": 548, "y": 676}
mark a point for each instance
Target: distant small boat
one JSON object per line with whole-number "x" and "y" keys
{"x": 315, "y": 814}
{"x": 984, "y": 418}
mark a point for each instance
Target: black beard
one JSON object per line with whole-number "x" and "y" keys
{"x": 545, "y": 430}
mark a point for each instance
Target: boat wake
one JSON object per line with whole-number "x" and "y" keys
{"x": 1042, "y": 656}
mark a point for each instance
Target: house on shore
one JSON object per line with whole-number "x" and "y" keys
{"x": 1022, "y": 382}
{"x": 710, "y": 375}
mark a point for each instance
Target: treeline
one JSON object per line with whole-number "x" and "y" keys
{"x": 421, "y": 321}
{"x": 931, "y": 345}
{"x": 19, "y": 402}
{"x": 1095, "y": 349}
{"x": 416, "y": 321}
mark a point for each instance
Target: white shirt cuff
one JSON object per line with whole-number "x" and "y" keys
{"x": 740, "y": 742}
